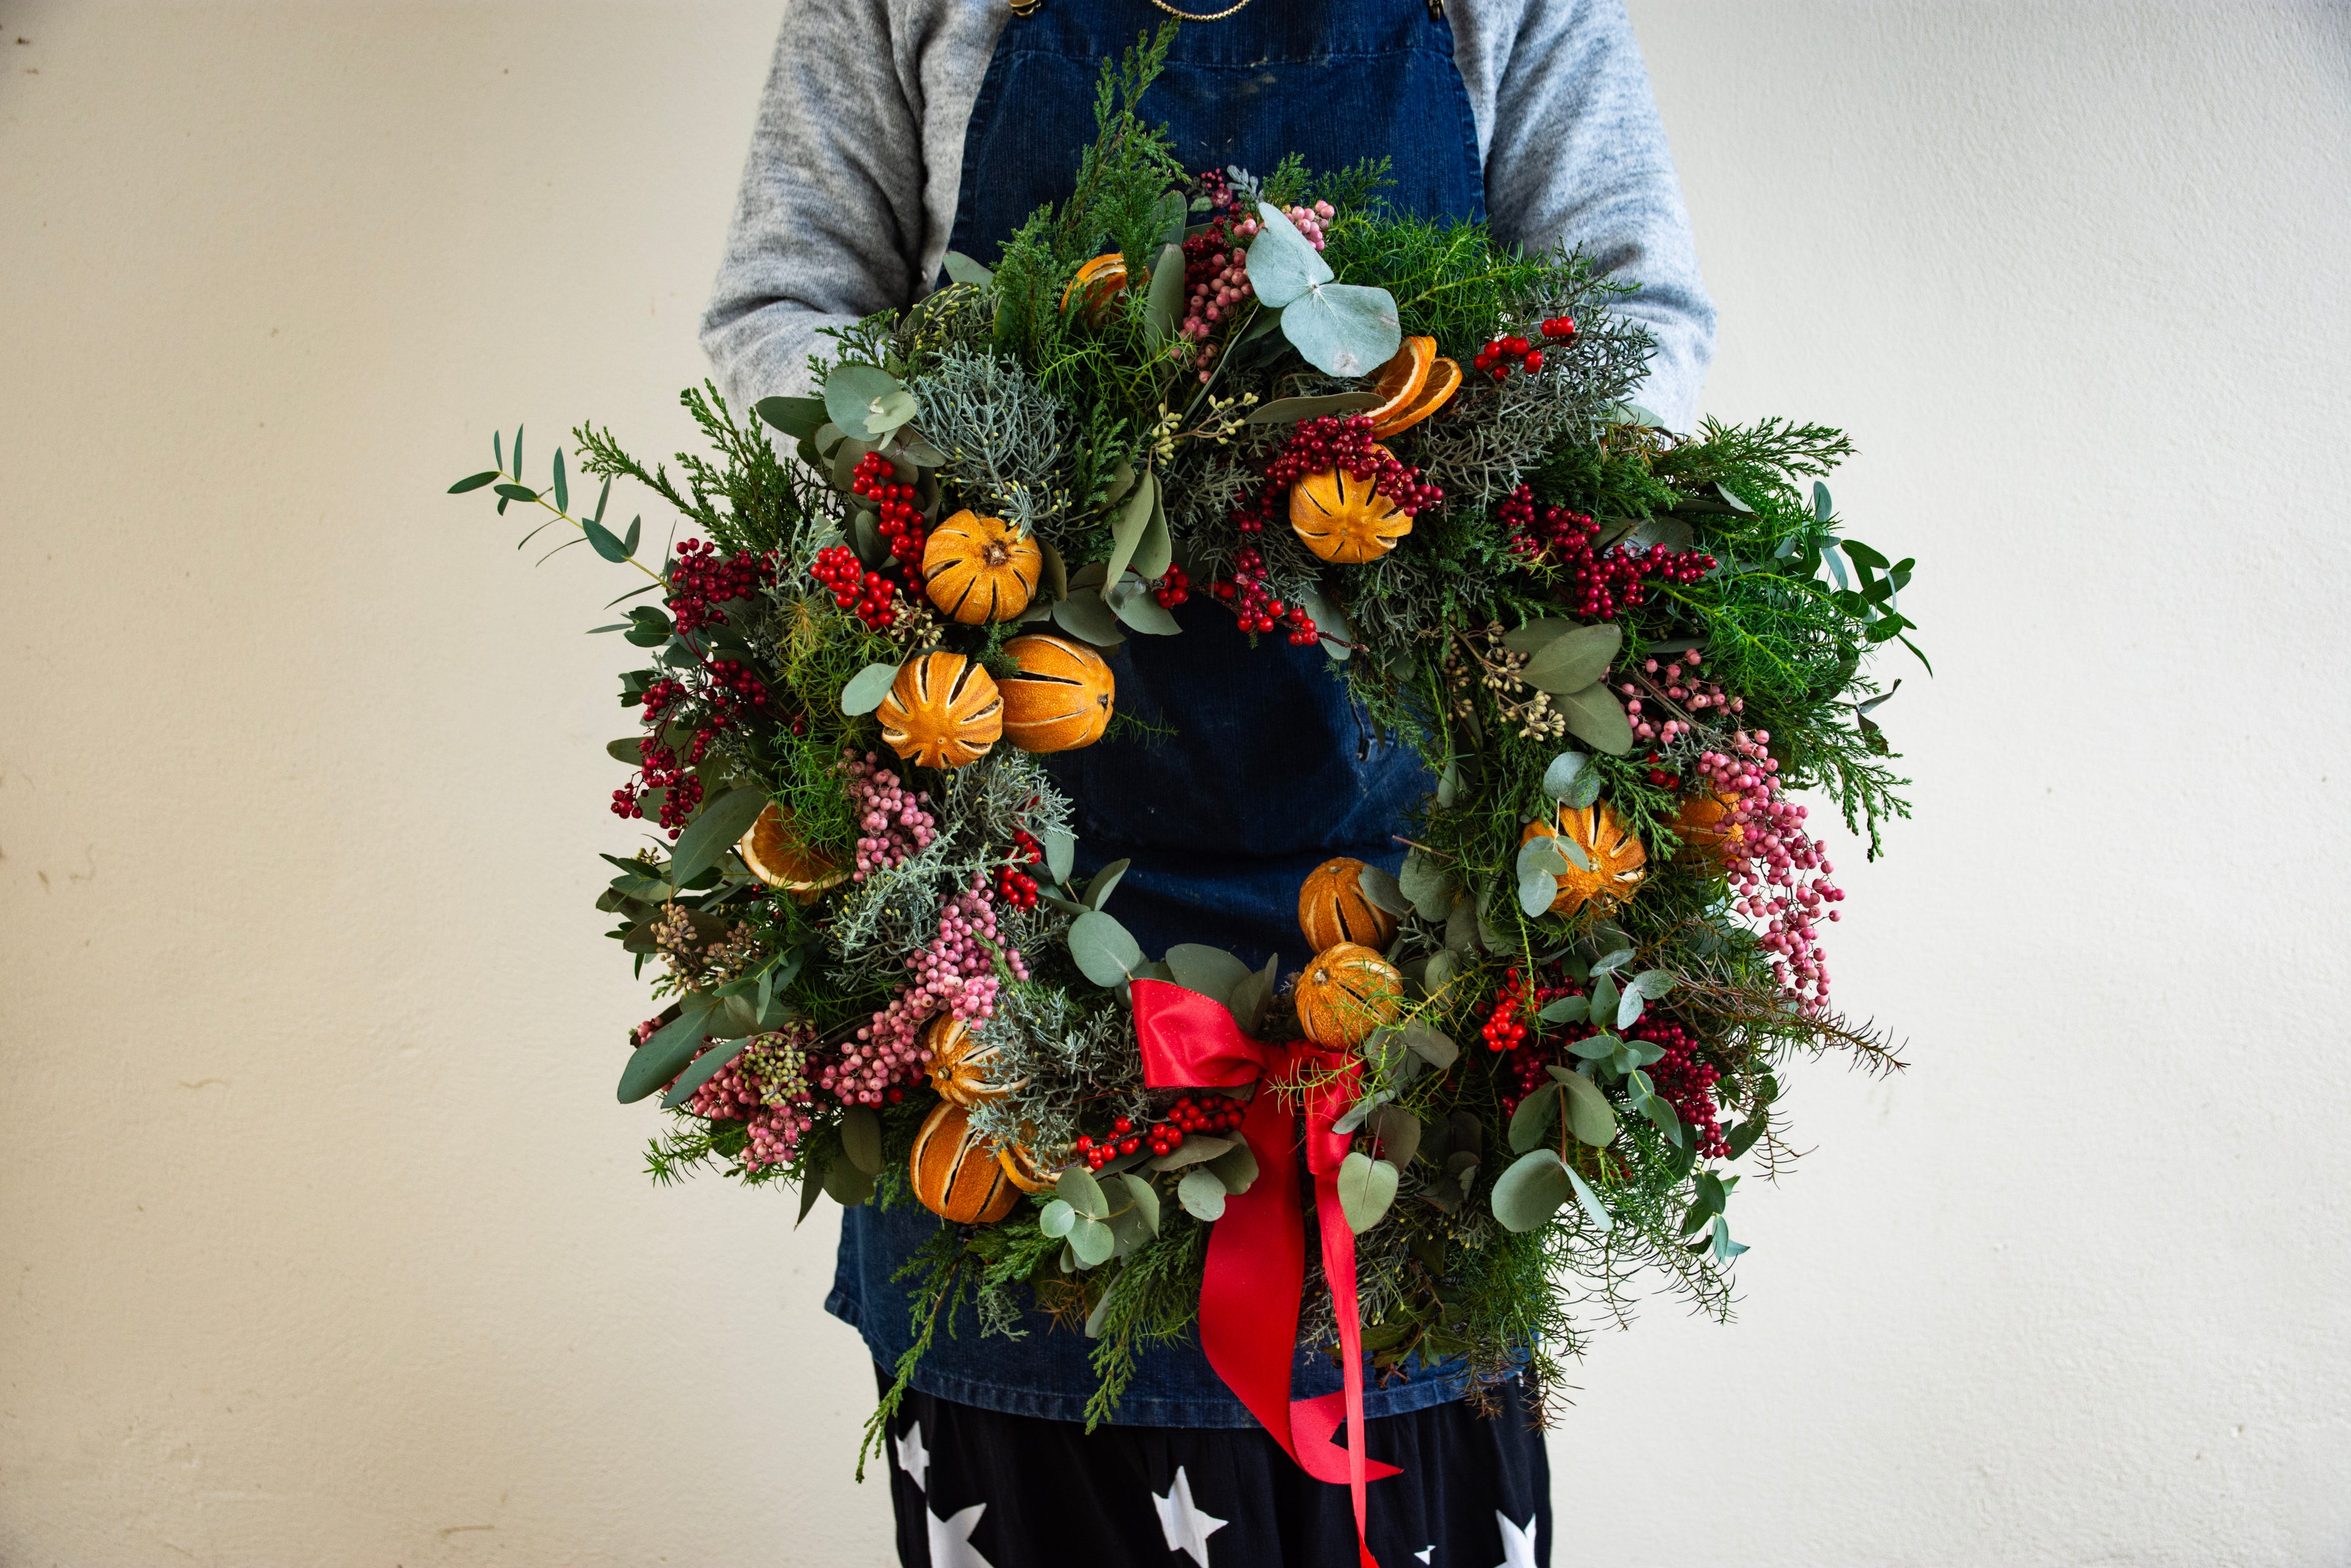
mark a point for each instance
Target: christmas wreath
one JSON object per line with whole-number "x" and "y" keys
{"x": 1520, "y": 1070}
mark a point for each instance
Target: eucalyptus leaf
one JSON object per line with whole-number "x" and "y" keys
{"x": 1567, "y": 1009}
{"x": 1596, "y": 718}
{"x": 1106, "y": 883}
{"x": 670, "y": 1047}
{"x": 1573, "y": 660}
{"x": 1378, "y": 887}
{"x": 1367, "y": 1188}
{"x": 917, "y": 448}
{"x": 1210, "y": 971}
{"x": 1145, "y": 1198}
{"x": 1202, "y": 1195}
{"x": 797, "y": 417}
{"x": 1061, "y": 854}
{"x": 1442, "y": 968}
{"x": 1330, "y": 623}
{"x": 850, "y": 394}
{"x": 1093, "y": 1241}
{"x": 1531, "y": 1120}
{"x": 1399, "y": 1132}
{"x": 1537, "y": 889}
{"x": 1283, "y": 264}
{"x": 1057, "y": 575}
{"x": 1427, "y": 883}
{"x": 1083, "y": 615}
{"x": 1250, "y": 997}
{"x": 846, "y": 1184}
{"x": 866, "y": 688}
{"x": 1291, "y": 410}
{"x": 1605, "y": 995}
{"x": 1197, "y": 1149}
{"x": 1612, "y": 960}
{"x": 1081, "y": 1192}
{"x": 1528, "y": 1194}
{"x": 1566, "y": 770}
{"x": 1823, "y": 507}
{"x": 1589, "y": 1115}
{"x": 714, "y": 831}
{"x": 1235, "y": 1167}
{"x": 962, "y": 269}
{"x": 1135, "y": 604}
{"x": 1126, "y": 528}
{"x": 860, "y": 1138}
{"x": 1103, "y": 949}
{"x": 1431, "y": 1044}
{"x": 1164, "y": 306}
{"x": 1593, "y": 1210}
{"x": 1343, "y": 329}
{"x": 1156, "y": 553}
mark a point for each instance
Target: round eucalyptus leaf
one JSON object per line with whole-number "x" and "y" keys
{"x": 1056, "y": 1218}
{"x": 1531, "y": 1121}
{"x": 1573, "y": 660}
{"x": 1566, "y": 769}
{"x": 1081, "y": 1192}
{"x": 867, "y": 687}
{"x": 1283, "y": 264}
{"x": 1084, "y": 616}
{"x": 1378, "y": 887}
{"x": 1596, "y": 718}
{"x": 1093, "y": 1241}
{"x": 1102, "y": 948}
{"x": 1202, "y": 1194}
{"x": 1343, "y": 329}
{"x": 850, "y": 392}
{"x": 1528, "y": 1194}
{"x": 1367, "y": 1188}
{"x": 1211, "y": 971}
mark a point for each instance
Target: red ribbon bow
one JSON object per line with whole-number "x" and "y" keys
{"x": 1256, "y": 1271}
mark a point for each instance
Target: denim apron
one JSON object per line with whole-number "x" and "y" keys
{"x": 1272, "y": 769}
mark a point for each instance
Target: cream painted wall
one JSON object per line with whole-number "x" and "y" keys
{"x": 325, "y": 1242}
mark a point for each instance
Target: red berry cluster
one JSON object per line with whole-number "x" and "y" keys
{"x": 1514, "y": 1004}
{"x": 1172, "y": 589}
{"x": 734, "y": 690}
{"x": 1686, "y": 1081}
{"x": 1500, "y": 356}
{"x": 701, "y": 579}
{"x": 1660, "y": 776}
{"x": 1124, "y": 1140}
{"x": 1332, "y": 442}
{"x": 1599, "y": 584}
{"x": 875, "y": 477}
{"x": 1013, "y": 885}
{"x": 1254, "y": 602}
{"x": 869, "y": 595}
{"x": 1204, "y": 1113}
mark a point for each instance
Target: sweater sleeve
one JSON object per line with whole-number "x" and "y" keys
{"x": 1577, "y": 154}
{"x": 829, "y": 226}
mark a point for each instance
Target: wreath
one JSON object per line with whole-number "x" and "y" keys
{"x": 1520, "y": 1070}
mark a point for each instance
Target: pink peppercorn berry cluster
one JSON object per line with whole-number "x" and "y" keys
{"x": 1686, "y": 1081}
{"x": 1322, "y": 446}
{"x": 1013, "y": 885}
{"x": 1215, "y": 281}
{"x": 892, "y": 822}
{"x": 1600, "y": 585}
{"x": 1208, "y": 1114}
{"x": 1246, "y": 591}
{"x": 766, "y": 1089}
{"x": 1780, "y": 876}
{"x": 956, "y": 973}
{"x": 1676, "y": 676}
{"x": 875, "y": 477}
{"x": 870, "y": 596}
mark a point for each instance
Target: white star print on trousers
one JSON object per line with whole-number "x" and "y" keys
{"x": 1187, "y": 1527}
{"x": 1518, "y": 1546}
{"x": 913, "y": 1458}
{"x": 951, "y": 1544}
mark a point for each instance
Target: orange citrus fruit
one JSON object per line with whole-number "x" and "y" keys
{"x": 1443, "y": 380}
{"x": 1098, "y": 282}
{"x": 777, "y": 856}
{"x": 1400, "y": 380}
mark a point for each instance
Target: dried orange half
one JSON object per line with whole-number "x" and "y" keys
{"x": 1443, "y": 380}
{"x": 777, "y": 855}
{"x": 1399, "y": 382}
{"x": 1098, "y": 283}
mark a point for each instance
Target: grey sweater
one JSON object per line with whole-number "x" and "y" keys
{"x": 849, "y": 195}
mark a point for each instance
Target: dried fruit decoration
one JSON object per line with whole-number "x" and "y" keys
{"x": 942, "y": 711}
{"x": 1331, "y": 908}
{"x": 955, "y": 1172}
{"x": 1344, "y": 518}
{"x": 1345, "y": 993}
{"x": 978, "y": 569}
{"x": 963, "y": 1061}
{"x": 1615, "y": 858}
{"x": 1060, "y": 700}
{"x": 777, "y": 854}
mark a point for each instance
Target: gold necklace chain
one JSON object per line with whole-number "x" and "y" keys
{"x": 1210, "y": 16}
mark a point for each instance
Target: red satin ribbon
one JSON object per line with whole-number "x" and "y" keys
{"x": 1256, "y": 1272}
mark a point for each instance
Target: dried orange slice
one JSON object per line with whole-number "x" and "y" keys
{"x": 1098, "y": 283}
{"x": 1444, "y": 380}
{"x": 1345, "y": 520}
{"x": 777, "y": 855}
{"x": 1400, "y": 380}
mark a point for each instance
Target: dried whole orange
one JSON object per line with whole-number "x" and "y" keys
{"x": 1703, "y": 827}
{"x": 1098, "y": 283}
{"x": 1060, "y": 700}
{"x": 1345, "y": 993}
{"x": 775, "y": 852}
{"x": 1342, "y": 519}
{"x": 978, "y": 569}
{"x": 942, "y": 711}
{"x": 954, "y": 1171}
{"x": 1443, "y": 380}
{"x": 1616, "y": 856}
{"x": 963, "y": 1061}
{"x": 1331, "y": 908}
